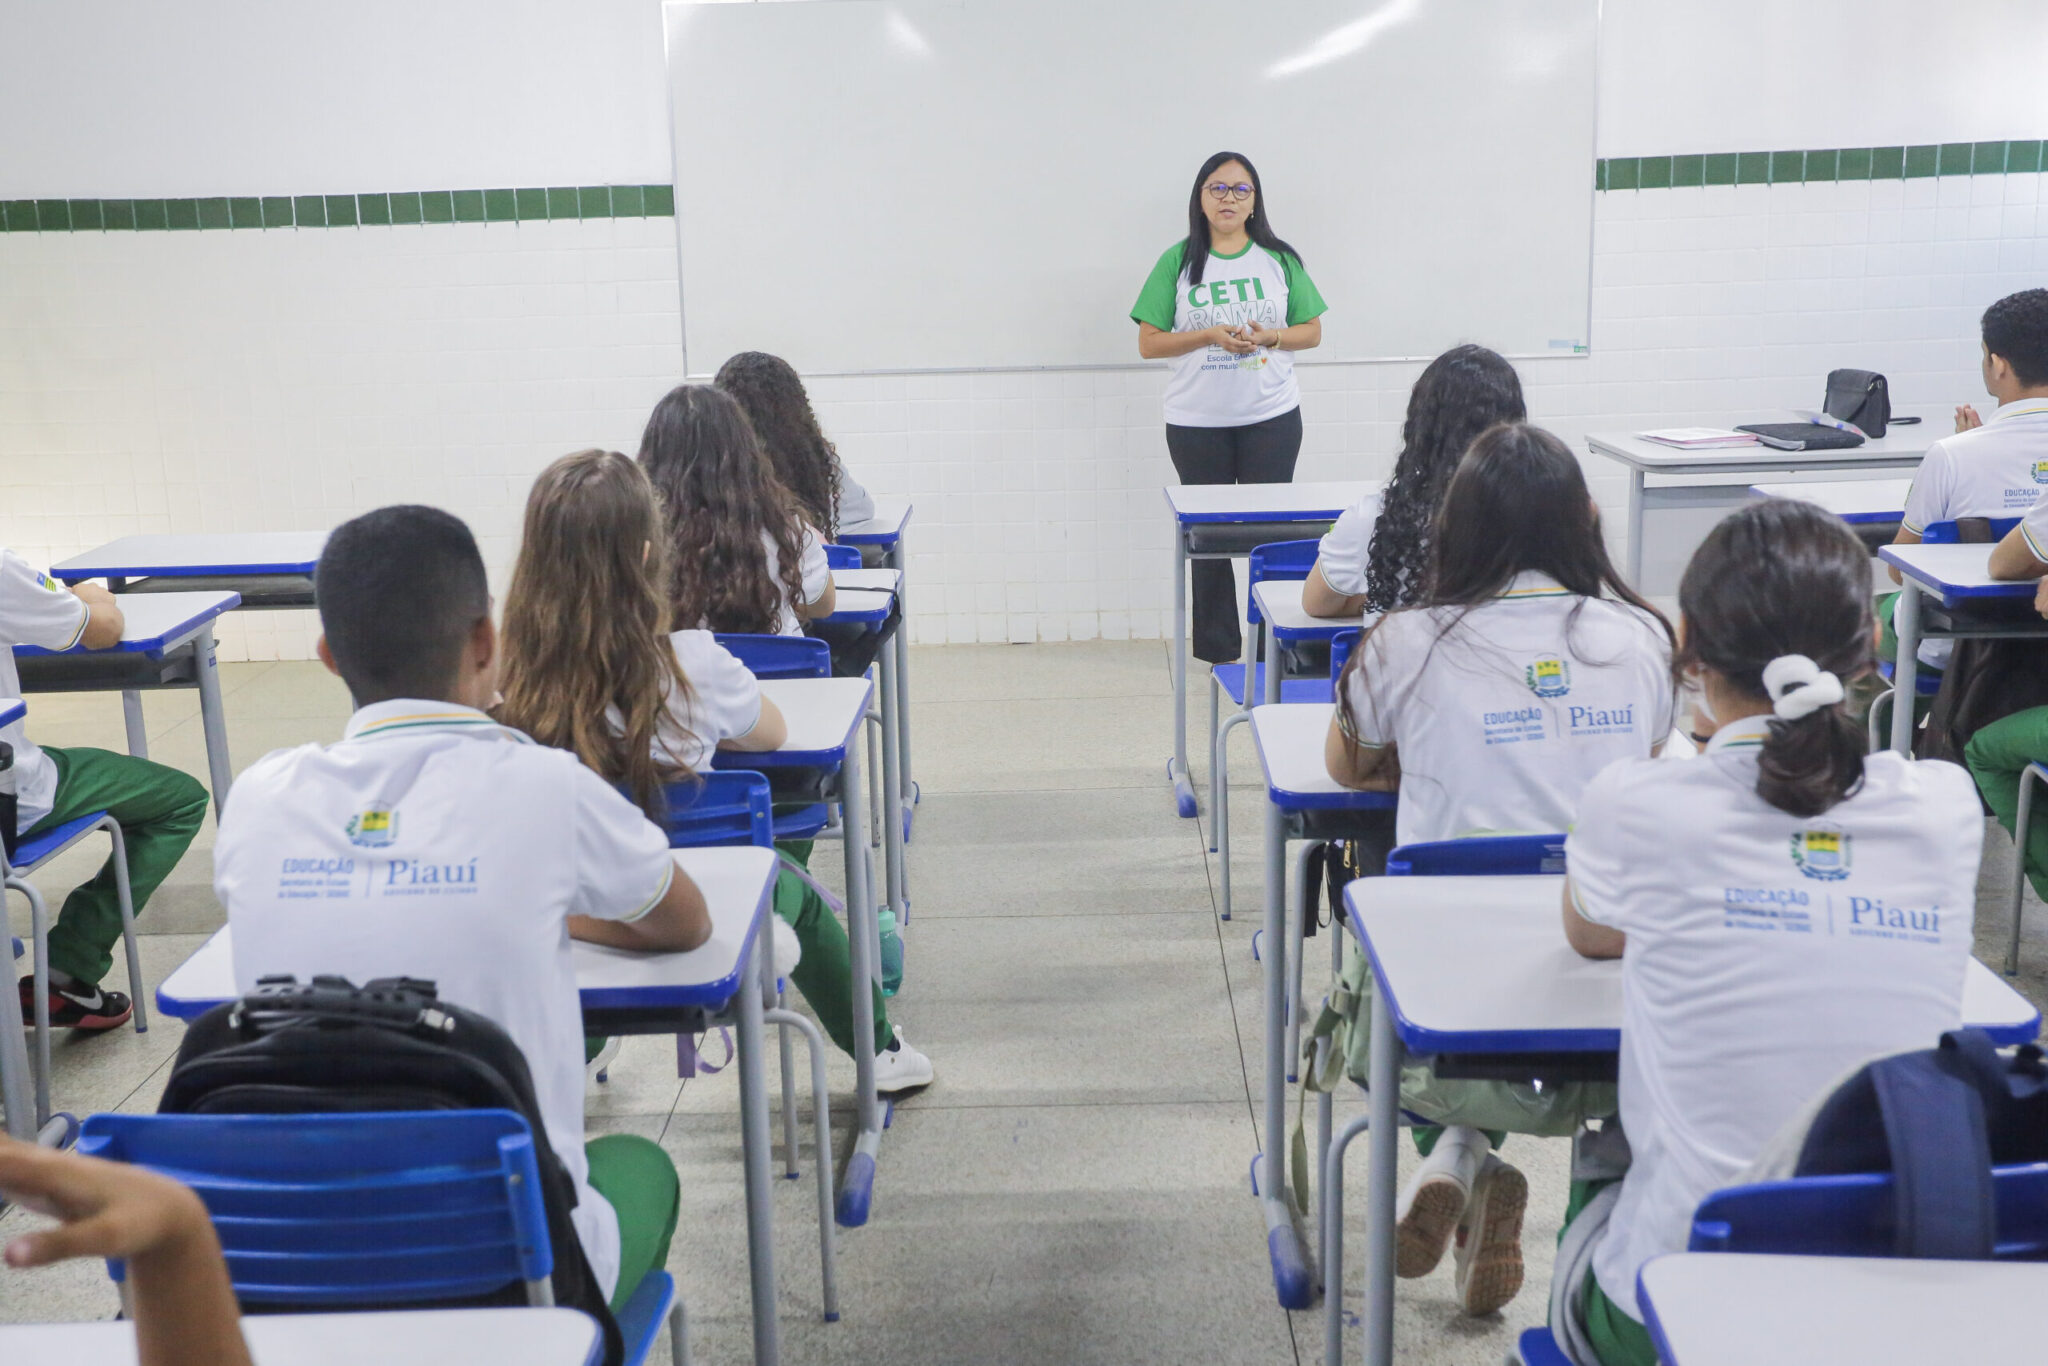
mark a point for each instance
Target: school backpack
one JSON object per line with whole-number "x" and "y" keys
{"x": 1938, "y": 1120}
{"x": 392, "y": 1045}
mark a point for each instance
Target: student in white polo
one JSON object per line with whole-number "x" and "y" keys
{"x": 1374, "y": 558}
{"x": 1529, "y": 668}
{"x": 1815, "y": 913}
{"x": 432, "y": 842}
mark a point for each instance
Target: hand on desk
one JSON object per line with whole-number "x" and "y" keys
{"x": 2041, "y": 597}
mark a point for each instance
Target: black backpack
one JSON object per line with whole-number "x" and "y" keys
{"x": 287, "y": 1048}
{"x": 1938, "y": 1120}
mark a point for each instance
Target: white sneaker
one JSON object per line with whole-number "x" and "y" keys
{"x": 594, "y": 1069}
{"x": 1489, "y": 1255}
{"x": 901, "y": 1068}
{"x": 1434, "y": 1200}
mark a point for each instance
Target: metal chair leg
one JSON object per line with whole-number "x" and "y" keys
{"x": 1295, "y": 945}
{"x": 828, "y": 1237}
{"x": 789, "y": 1165}
{"x": 39, "y": 922}
{"x": 137, "y": 988}
{"x": 1219, "y": 764}
{"x": 678, "y": 1334}
{"x": 2022, "y": 826}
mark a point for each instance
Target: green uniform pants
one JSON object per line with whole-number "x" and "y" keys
{"x": 825, "y": 975}
{"x": 1997, "y": 755}
{"x": 159, "y": 809}
{"x": 1619, "y": 1339}
{"x": 640, "y": 1183}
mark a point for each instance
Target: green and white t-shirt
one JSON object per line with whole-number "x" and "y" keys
{"x": 1211, "y": 387}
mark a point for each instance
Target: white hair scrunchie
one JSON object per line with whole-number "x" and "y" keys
{"x": 1799, "y": 687}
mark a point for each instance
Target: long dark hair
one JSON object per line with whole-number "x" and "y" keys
{"x": 1517, "y": 502}
{"x": 768, "y": 389}
{"x": 1782, "y": 577}
{"x": 1463, "y": 392}
{"x": 720, "y": 498}
{"x": 1259, "y": 227}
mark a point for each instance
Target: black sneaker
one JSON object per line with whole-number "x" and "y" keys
{"x": 92, "y": 1011}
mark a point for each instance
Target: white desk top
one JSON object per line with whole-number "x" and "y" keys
{"x": 737, "y": 884}
{"x": 1743, "y": 1309}
{"x": 1954, "y": 571}
{"x": 12, "y": 709}
{"x": 861, "y": 604}
{"x": 877, "y": 580}
{"x": 202, "y": 553}
{"x": 418, "y": 1337}
{"x": 1280, "y": 603}
{"x": 1853, "y": 500}
{"x": 155, "y": 622}
{"x": 823, "y": 714}
{"x": 892, "y": 514}
{"x": 1899, "y": 446}
{"x": 1480, "y": 965}
{"x": 1308, "y": 502}
{"x": 1289, "y": 737}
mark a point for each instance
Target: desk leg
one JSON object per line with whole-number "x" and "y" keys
{"x": 138, "y": 729}
{"x": 1383, "y": 1147}
{"x": 1177, "y": 769}
{"x": 17, "y": 1088}
{"x": 856, "y": 1190}
{"x": 1292, "y": 1278}
{"x": 893, "y": 808}
{"x": 213, "y": 720}
{"x": 898, "y": 559}
{"x": 754, "y": 1141}
{"x": 1635, "y": 528}
{"x": 1272, "y": 688}
{"x": 1906, "y": 672}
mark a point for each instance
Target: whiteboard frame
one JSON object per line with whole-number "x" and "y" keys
{"x": 1305, "y": 358}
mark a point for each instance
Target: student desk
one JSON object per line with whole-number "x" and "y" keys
{"x": 412, "y": 1337}
{"x": 1955, "y": 577}
{"x": 1746, "y": 1309}
{"x": 1900, "y": 448}
{"x": 1289, "y": 737}
{"x": 270, "y": 569}
{"x": 166, "y": 642}
{"x": 1226, "y": 522}
{"x": 625, "y": 992}
{"x": 17, "y": 1078}
{"x": 1873, "y": 508}
{"x": 867, "y": 597}
{"x": 886, "y": 530}
{"x": 825, "y": 716}
{"x": 1475, "y": 972}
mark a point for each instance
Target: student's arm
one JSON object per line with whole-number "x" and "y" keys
{"x": 184, "y": 1308}
{"x": 1590, "y": 940}
{"x": 1363, "y": 768}
{"x": 1904, "y": 537}
{"x": 677, "y": 923}
{"x": 824, "y": 605}
{"x": 104, "y": 622}
{"x": 1318, "y": 599}
{"x": 769, "y": 732}
{"x": 1155, "y": 344}
{"x": 815, "y": 569}
{"x": 2014, "y": 557}
{"x": 1300, "y": 337}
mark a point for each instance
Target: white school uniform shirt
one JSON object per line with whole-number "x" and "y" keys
{"x": 723, "y": 702}
{"x": 1503, "y": 712}
{"x": 855, "y": 504}
{"x": 432, "y": 842}
{"x": 810, "y": 564}
{"x": 1767, "y": 955}
{"x": 1343, "y": 552}
{"x": 1210, "y": 386}
{"x": 34, "y": 610}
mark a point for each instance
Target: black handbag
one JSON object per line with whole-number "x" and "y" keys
{"x": 1860, "y": 398}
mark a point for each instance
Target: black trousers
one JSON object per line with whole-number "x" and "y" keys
{"x": 1259, "y": 453}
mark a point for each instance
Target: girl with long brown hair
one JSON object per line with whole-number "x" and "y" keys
{"x": 589, "y": 666}
{"x": 741, "y": 556}
{"x": 772, "y": 394}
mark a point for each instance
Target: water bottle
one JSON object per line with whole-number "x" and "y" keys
{"x": 892, "y": 954}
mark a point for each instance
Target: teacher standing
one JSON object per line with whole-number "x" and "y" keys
{"x": 1229, "y": 305}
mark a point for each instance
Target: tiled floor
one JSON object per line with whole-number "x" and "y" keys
{"x": 1073, "y": 1190}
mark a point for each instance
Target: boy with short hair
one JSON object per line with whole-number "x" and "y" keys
{"x": 159, "y": 808}
{"x": 434, "y": 843}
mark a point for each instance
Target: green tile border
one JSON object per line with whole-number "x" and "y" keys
{"x": 2020, "y": 156}
{"x": 401, "y": 208}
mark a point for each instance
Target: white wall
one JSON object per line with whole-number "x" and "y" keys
{"x": 272, "y": 379}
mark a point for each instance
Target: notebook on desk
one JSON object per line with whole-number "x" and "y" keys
{"x": 1802, "y": 436}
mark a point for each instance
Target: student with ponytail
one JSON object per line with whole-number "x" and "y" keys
{"x": 1785, "y": 905}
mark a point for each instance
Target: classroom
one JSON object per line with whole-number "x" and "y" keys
{"x": 957, "y": 681}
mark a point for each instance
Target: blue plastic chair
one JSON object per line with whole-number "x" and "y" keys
{"x": 1480, "y": 856}
{"x": 1341, "y": 647}
{"x": 780, "y": 656}
{"x": 29, "y": 855}
{"x": 725, "y": 807}
{"x": 1853, "y": 1216}
{"x": 1536, "y": 1347}
{"x": 1947, "y": 533}
{"x": 371, "y": 1210}
{"x": 842, "y": 556}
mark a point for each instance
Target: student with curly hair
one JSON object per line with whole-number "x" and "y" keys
{"x": 1372, "y": 560}
{"x": 768, "y": 389}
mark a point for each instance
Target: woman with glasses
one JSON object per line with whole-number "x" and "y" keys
{"x": 1227, "y": 307}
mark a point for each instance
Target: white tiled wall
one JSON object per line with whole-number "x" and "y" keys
{"x": 274, "y": 380}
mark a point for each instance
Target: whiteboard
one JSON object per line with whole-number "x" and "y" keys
{"x": 909, "y": 185}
